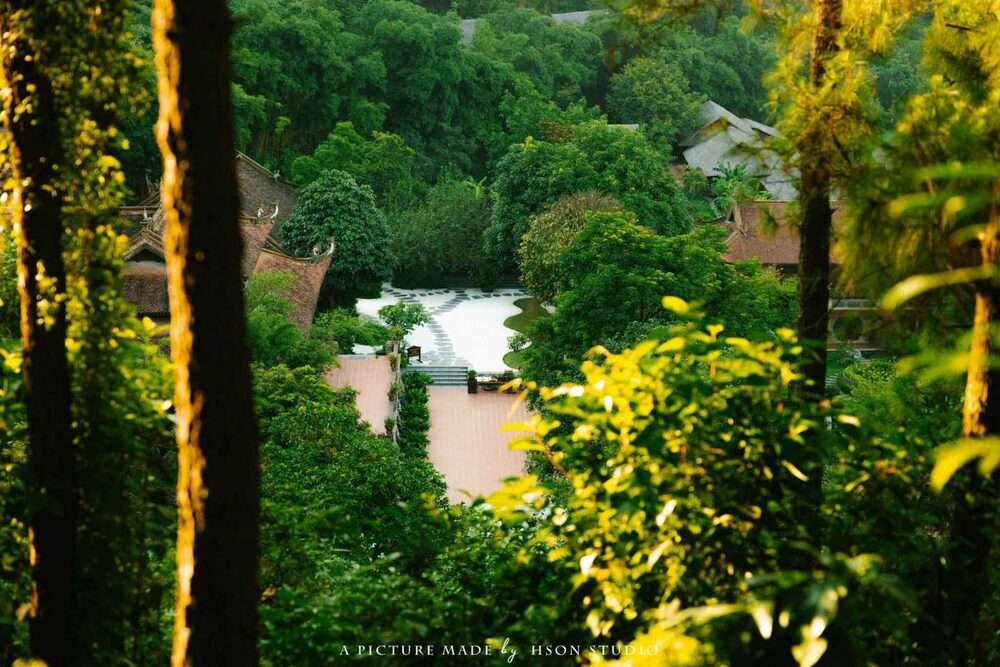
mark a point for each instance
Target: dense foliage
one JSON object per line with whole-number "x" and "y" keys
{"x": 334, "y": 209}
{"x": 611, "y": 160}
{"x": 440, "y": 239}
{"x": 655, "y": 95}
{"x": 615, "y": 272}
{"x": 548, "y": 236}
{"x": 685, "y": 494}
{"x": 696, "y": 520}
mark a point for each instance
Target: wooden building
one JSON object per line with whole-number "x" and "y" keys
{"x": 266, "y": 201}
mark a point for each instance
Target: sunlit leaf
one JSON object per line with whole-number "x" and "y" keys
{"x": 914, "y": 286}
{"x": 952, "y": 458}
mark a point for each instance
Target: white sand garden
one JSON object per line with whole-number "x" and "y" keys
{"x": 466, "y": 327}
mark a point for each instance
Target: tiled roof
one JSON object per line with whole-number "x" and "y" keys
{"x": 145, "y": 288}
{"x": 266, "y": 201}
{"x": 762, "y": 239}
{"x": 309, "y": 274}
{"x": 264, "y": 194}
{"x": 254, "y": 234}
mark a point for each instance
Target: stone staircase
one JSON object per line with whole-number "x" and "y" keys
{"x": 443, "y": 376}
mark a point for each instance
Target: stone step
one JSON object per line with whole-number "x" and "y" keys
{"x": 443, "y": 376}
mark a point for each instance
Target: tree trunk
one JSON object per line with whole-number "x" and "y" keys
{"x": 966, "y": 581}
{"x": 816, "y": 222}
{"x": 35, "y": 153}
{"x": 980, "y": 415}
{"x": 217, "y": 438}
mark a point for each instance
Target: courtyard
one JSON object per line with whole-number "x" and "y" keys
{"x": 466, "y": 325}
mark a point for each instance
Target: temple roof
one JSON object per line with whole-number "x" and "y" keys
{"x": 266, "y": 202}
{"x": 309, "y": 274}
{"x": 255, "y": 235}
{"x": 145, "y": 287}
{"x": 263, "y": 194}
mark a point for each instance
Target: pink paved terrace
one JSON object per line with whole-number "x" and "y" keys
{"x": 467, "y": 446}
{"x": 370, "y": 376}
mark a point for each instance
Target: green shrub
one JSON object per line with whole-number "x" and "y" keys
{"x": 414, "y": 414}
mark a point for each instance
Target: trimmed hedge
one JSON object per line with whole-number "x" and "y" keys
{"x": 414, "y": 414}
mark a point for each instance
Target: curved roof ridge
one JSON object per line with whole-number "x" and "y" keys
{"x": 277, "y": 251}
{"x": 240, "y": 155}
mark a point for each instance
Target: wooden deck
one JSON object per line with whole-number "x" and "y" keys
{"x": 466, "y": 445}
{"x": 371, "y": 377}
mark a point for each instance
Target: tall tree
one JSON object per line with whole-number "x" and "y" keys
{"x": 824, "y": 93}
{"x": 35, "y": 154}
{"x": 814, "y": 202}
{"x": 932, "y": 208}
{"x": 217, "y": 437}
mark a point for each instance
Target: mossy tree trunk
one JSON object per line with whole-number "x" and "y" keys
{"x": 35, "y": 154}
{"x": 217, "y": 488}
{"x": 816, "y": 214}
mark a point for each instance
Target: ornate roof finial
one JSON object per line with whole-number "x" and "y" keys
{"x": 317, "y": 250}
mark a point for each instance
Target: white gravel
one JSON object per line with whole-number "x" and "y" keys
{"x": 474, "y": 326}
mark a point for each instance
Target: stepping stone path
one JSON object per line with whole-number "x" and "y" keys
{"x": 444, "y": 352}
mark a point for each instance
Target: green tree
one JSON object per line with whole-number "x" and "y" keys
{"x": 615, "y": 271}
{"x": 442, "y": 238}
{"x": 336, "y": 499}
{"x": 562, "y": 61}
{"x": 727, "y": 66}
{"x": 439, "y": 95}
{"x": 644, "y": 426}
{"x": 335, "y": 209}
{"x": 402, "y": 318}
{"x": 828, "y": 116}
{"x": 530, "y": 177}
{"x": 345, "y": 328}
{"x": 33, "y": 152}
{"x": 637, "y": 174}
{"x": 525, "y": 112}
{"x": 655, "y": 94}
{"x": 287, "y": 105}
{"x": 548, "y": 236}
{"x": 937, "y": 196}
{"x": 99, "y": 534}
{"x": 689, "y": 456}
{"x": 274, "y": 338}
{"x": 384, "y": 163}
{"x": 613, "y": 161}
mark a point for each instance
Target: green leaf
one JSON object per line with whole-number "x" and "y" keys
{"x": 952, "y": 458}
{"x": 916, "y": 285}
